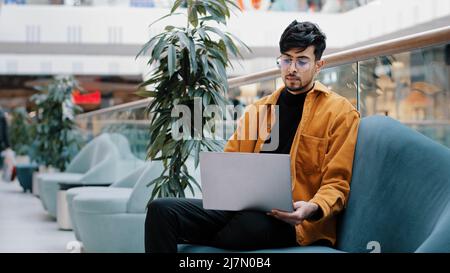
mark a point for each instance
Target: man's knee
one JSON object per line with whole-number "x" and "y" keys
{"x": 160, "y": 205}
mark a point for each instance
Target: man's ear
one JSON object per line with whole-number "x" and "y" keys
{"x": 319, "y": 65}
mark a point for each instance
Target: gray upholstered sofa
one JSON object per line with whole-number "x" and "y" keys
{"x": 399, "y": 198}
{"x": 103, "y": 161}
{"x": 112, "y": 219}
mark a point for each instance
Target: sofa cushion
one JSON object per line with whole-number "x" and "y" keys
{"x": 114, "y": 200}
{"x": 72, "y": 192}
{"x": 439, "y": 239}
{"x": 60, "y": 177}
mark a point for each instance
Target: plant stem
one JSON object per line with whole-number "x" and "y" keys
{"x": 189, "y": 9}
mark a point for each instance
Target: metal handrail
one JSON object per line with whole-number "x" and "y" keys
{"x": 128, "y": 106}
{"x": 408, "y": 43}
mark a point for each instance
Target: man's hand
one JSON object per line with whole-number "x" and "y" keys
{"x": 302, "y": 211}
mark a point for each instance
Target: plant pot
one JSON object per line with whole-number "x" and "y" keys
{"x": 25, "y": 175}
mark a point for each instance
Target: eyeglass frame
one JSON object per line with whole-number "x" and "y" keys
{"x": 297, "y": 65}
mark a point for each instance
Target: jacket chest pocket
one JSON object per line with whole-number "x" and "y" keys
{"x": 311, "y": 152}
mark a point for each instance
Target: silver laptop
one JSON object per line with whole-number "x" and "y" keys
{"x": 246, "y": 181}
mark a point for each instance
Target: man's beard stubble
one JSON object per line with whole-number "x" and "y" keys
{"x": 300, "y": 88}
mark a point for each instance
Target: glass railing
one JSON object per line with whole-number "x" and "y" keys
{"x": 412, "y": 87}
{"x": 406, "y": 79}
{"x": 129, "y": 120}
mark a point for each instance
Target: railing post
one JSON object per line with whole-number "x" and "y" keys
{"x": 358, "y": 87}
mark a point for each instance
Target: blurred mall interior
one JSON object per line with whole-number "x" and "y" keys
{"x": 387, "y": 57}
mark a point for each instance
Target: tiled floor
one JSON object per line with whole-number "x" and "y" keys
{"x": 24, "y": 224}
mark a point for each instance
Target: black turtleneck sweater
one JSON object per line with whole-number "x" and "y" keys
{"x": 290, "y": 114}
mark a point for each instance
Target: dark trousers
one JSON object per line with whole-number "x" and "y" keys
{"x": 171, "y": 221}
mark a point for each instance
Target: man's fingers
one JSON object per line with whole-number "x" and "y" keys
{"x": 283, "y": 214}
{"x": 280, "y": 217}
{"x": 289, "y": 221}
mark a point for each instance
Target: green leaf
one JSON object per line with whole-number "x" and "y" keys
{"x": 154, "y": 79}
{"x": 231, "y": 2}
{"x": 169, "y": 28}
{"x": 201, "y": 32}
{"x": 176, "y": 5}
{"x": 218, "y": 55}
{"x": 218, "y": 17}
{"x": 184, "y": 40}
{"x": 145, "y": 93}
{"x": 157, "y": 180}
{"x": 162, "y": 18}
{"x": 149, "y": 44}
{"x": 172, "y": 58}
{"x": 192, "y": 57}
{"x": 219, "y": 68}
{"x": 201, "y": 10}
{"x": 193, "y": 17}
{"x": 231, "y": 46}
{"x": 197, "y": 154}
{"x": 208, "y": 18}
{"x": 221, "y": 8}
{"x": 159, "y": 48}
{"x": 206, "y": 99}
{"x": 239, "y": 41}
{"x": 185, "y": 180}
{"x": 205, "y": 65}
{"x": 216, "y": 30}
{"x": 192, "y": 179}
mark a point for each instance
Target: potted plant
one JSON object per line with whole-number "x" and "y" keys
{"x": 190, "y": 71}
{"x": 21, "y": 133}
{"x": 57, "y": 139}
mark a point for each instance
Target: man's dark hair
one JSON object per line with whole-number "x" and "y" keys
{"x": 302, "y": 35}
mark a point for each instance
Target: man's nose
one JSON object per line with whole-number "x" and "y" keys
{"x": 292, "y": 67}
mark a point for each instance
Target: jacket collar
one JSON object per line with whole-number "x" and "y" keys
{"x": 318, "y": 87}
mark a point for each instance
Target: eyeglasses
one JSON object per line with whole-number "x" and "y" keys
{"x": 284, "y": 62}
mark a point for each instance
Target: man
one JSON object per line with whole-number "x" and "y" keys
{"x": 317, "y": 127}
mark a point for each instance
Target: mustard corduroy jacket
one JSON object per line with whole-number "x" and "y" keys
{"x": 321, "y": 154}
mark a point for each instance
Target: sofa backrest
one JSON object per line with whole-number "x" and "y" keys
{"x": 131, "y": 178}
{"x": 103, "y": 149}
{"x": 123, "y": 145}
{"x": 141, "y": 192}
{"x": 91, "y": 154}
{"x": 399, "y": 193}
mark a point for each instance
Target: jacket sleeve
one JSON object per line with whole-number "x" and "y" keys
{"x": 244, "y": 138}
{"x": 232, "y": 144}
{"x": 337, "y": 165}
